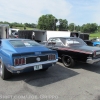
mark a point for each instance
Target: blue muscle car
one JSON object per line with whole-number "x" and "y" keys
{"x": 96, "y": 42}
{"x": 23, "y": 55}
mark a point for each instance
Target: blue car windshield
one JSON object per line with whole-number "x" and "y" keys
{"x": 23, "y": 43}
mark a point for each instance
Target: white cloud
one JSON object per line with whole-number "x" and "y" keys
{"x": 31, "y": 10}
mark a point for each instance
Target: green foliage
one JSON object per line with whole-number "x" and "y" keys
{"x": 63, "y": 24}
{"x": 15, "y": 24}
{"x": 30, "y": 25}
{"x": 71, "y": 27}
{"x": 98, "y": 28}
{"x": 22, "y": 28}
{"x": 94, "y": 35}
{"x": 78, "y": 28}
{"x": 89, "y": 28}
{"x": 47, "y": 22}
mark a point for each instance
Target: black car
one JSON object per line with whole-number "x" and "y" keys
{"x": 71, "y": 49}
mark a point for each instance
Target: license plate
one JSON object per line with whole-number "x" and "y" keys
{"x": 37, "y": 67}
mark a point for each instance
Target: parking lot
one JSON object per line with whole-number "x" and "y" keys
{"x": 57, "y": 83}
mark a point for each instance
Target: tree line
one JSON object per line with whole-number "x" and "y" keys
{"x": 50, "y": 22}
{"x": 15, "y": 24}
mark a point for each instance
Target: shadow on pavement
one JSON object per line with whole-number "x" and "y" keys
{"x": 89, "y": 67}
{"x": 40, "y": 78}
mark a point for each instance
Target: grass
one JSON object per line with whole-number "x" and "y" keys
{"x": 22, "y": 28}
{"x": 94, "y": 35}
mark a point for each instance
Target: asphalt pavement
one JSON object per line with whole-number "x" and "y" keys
{"x": 57, "y": 83}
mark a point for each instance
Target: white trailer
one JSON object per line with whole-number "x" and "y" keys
{"x": 11, "y": 30}
{"x": 42, "y": 35}
{"x": 4, "y": 31}
{"x": 61, "y": 34}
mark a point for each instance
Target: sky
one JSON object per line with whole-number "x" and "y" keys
{"x": 28, "y": 11}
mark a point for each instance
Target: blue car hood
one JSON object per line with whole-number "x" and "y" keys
{"x": 31, "y": 49}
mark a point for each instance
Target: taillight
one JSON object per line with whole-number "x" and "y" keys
{"x": 16, "y": 62}
{"x": 19, "y": 61}
{"x": 23, "y": 60}
{"x": 51, "y": 57}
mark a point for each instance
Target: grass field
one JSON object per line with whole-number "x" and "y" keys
{"x": 94, "y": 35}
{"x": 22, "y": 28}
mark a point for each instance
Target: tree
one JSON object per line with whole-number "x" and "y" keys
{"x": 98, "y": 29}
{"x": 30, "y": 25}
{"x": 47, "y": 22}
{"x": 63, "y": 24}
{"x": 71, "y": 27}
{"x": 89, "y": 28}
{"x": 78, "y": 28}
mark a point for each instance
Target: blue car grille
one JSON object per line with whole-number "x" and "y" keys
{"x": 35, "y": 59}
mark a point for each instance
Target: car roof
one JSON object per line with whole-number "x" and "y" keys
{"x": 14, "y": 39}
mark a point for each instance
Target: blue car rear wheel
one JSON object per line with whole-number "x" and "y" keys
{"x": 4, "y": 73}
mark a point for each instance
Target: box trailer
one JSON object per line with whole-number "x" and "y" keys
{"x": 4, "y": 31}
{"x": 42, "y": 35}
{"x": 36, "y": 35}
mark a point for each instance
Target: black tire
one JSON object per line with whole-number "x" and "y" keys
{"x": 44, "y": 69}
{"x": 4, "y": 73}
{"x": 67, "y": 61}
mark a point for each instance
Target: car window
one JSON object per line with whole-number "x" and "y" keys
{"x": 16, "y": 33}
{"x": 52, "y": 40}
{"x": 69, "y": 41}
{"x": 58, "y": 42}
{"x": 75, "y": 42}
{"x": 23, "y": 43}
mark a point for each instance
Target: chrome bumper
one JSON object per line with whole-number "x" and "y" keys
{"x": 22, "y": 67}
{"x": 91, "y": 61}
